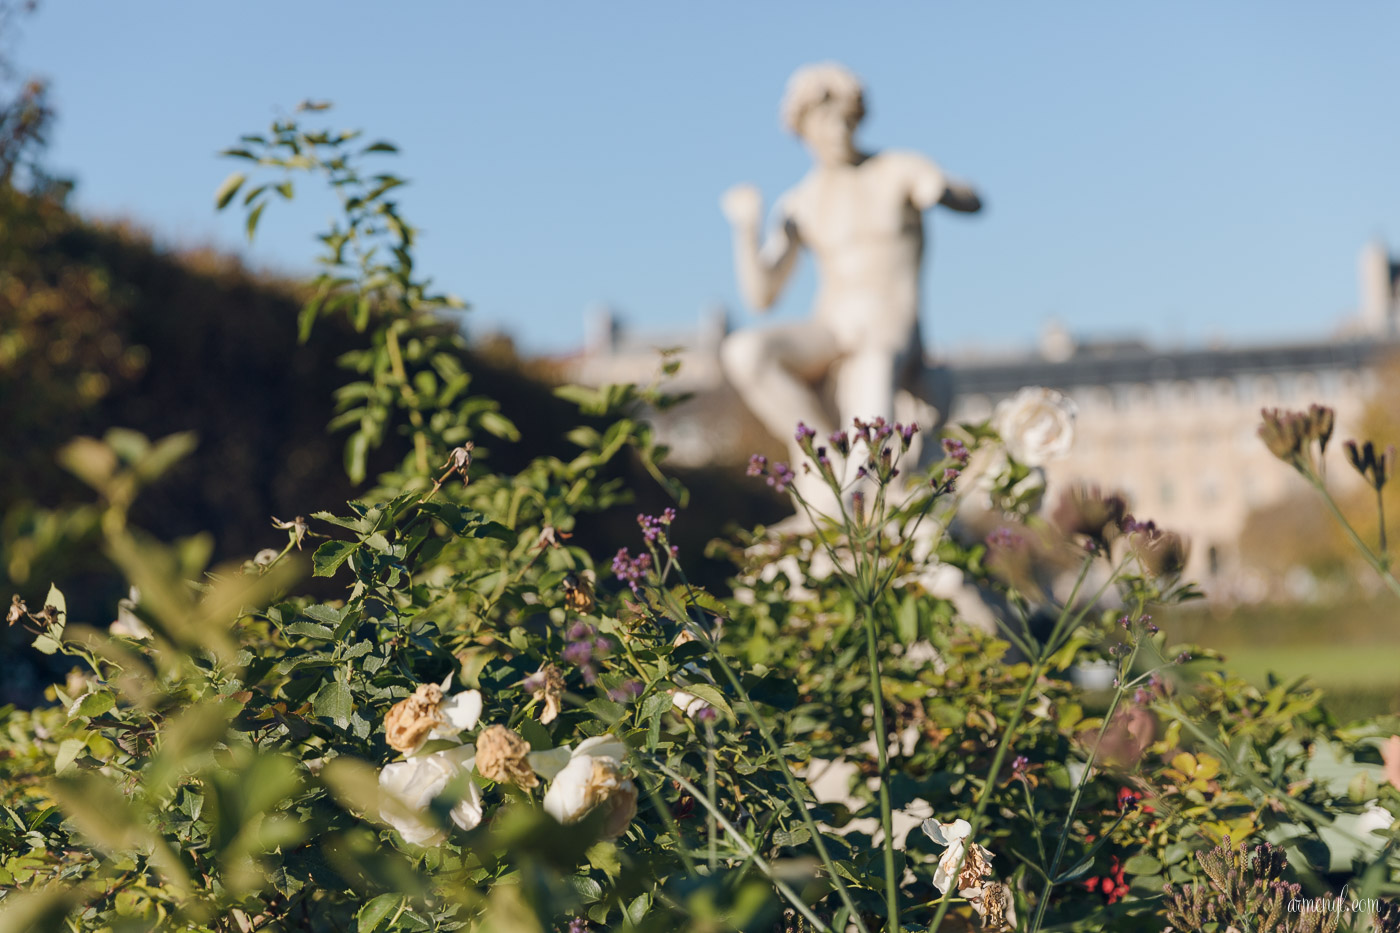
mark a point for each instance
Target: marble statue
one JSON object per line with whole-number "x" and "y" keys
{"x": 860, "y": 214}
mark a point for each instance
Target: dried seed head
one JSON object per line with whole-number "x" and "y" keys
{"x": 18, "y": 610}
{"x": 503, "y": 756}
{"x": 296, "y": 526}
{"x": 1088, "y": 511}
{"x": 1163, "y": 554}
{"x": 977, "y": 865}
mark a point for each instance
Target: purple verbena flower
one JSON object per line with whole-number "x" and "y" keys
{"x": 758, "y": 465}
{"x": 781, "y": 477}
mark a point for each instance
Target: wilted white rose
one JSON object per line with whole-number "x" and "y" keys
{"x": 1037, "y": 425}
{"x": 592, "y": 777}
{"x": 429, "y": 714}
{"x": 409, "y": 786}
{"x": 975, "y": 865}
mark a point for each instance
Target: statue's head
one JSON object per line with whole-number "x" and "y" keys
{"x": 824, "y": 104}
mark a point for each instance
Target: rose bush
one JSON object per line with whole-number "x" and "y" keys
{"x": 486, "y": 729}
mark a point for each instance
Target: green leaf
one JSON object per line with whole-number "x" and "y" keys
{"x": 329, "y": 556}
{"x": 712, "y": 696}
{"x": 253, "y": 216}
{"x": 68, "y": 750}
{"x": 94, "y": 704}
{"x": 1142, "y": 864}
{"x": 493, "y": 422}
{"x": 333, "y": 702}
{"x": 376, "y": 911}
{"x": 228, "y": 189}
{"x": 47, "y": 644}
{"x": 1081, "y": 869}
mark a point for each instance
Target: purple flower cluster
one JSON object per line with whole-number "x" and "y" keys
{"x": 583, "y": 644}
{"x": 956, "y": 450}
{"x": 1019, "y": 765}
{"x": 705, "y": 714}
{"x": 758, "y": 465}
{"x": 804, "y": 435}
{"x": 631, "y": 570}
{"x": 654, "y": 526}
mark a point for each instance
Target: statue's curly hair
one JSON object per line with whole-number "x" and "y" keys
{"x": 815, "y": 84}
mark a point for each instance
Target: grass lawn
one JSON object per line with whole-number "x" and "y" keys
{"x": 1352, "y": 651}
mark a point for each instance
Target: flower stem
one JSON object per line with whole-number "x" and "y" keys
{"x": 1366, "y": 552}
{"x": 882, "y": 739}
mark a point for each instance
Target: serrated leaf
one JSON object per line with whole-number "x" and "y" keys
{"x": 329, "y": 556}
{"x": 68, "y": 750}
{"x": 333, "y": 702}
{"x": 94, "y": 704}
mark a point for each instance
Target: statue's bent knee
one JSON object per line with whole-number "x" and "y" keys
{"x": 743, "y": 355}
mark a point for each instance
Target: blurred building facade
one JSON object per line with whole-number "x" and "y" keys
{"x": 1175, "y": 429}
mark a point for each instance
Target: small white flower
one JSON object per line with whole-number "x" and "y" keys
{"x": 590, "y": 777}
{"x": 688, "y": 703}
{"x": 1036, "y": 425}
{"x": 409, "y": 786}
{"x": 128, "y": 623}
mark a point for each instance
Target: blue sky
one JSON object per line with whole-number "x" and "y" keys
{"x": 1186, "y": 172}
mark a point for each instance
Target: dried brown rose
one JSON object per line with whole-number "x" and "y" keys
{"x": 409, "y": 721}
{"x": 503, "y": 756}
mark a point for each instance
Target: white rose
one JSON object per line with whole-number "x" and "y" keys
{"x": 591, "y": 777}
{"x": 1037, "y": 425}
{"x": 409, "y": 786}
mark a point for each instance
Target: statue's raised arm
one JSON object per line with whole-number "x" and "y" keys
{"x": 762, "y": 271}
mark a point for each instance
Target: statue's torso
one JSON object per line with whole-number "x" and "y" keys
{"x": 867, "y": 237}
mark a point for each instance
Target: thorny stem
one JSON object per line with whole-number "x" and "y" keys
{"x": 984, "y": 797}
{"x": 1054, "y": 867}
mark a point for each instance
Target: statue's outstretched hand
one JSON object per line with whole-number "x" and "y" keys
{"x": 743, "y": 206}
